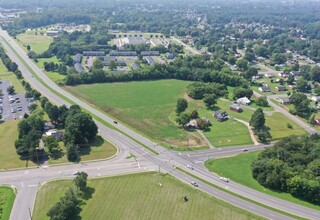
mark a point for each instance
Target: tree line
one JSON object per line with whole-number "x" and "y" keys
{"x": 292, "y": 165}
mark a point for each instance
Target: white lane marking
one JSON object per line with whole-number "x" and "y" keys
{"x": 188, "y": 155}
{"x": 198, "y": 161}
{"x": 99, "y": 168}
{"x": 26, "y": 172}
{"x": 179, "y": 153}
{"x": 139, "y": 165}
{"x": 32, "y": 185}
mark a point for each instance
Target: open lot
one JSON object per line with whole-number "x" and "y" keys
{"x": 54, "y": 76}
{"x": 139, "y": 196}
{"x": 9, "y": 76}
{"x": 7, "y": 196}
{"x": 238, "y": 169}
{"x": 145, "y": 106}
{"x": 38, "y": 43}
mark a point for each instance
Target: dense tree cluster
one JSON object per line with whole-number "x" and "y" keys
{"x": 292, "y": 165}
{"x": 301, "y": 104}
{"x": 257, "y": 122}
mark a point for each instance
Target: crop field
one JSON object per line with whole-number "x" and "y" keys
{"x": 7, "y": 196}
{"x": 238, "y": 169}
{"x": 38, "y": 43}
{"x": 139, "y": 196}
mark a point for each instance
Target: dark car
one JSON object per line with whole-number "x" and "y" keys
{"x": 115, "y": 122}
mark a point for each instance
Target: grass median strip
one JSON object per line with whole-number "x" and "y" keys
{"x": 239, "y": 196}
{"x": 72, "y": 102}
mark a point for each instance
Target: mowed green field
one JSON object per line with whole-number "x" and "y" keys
{"x": 238, "y": 169}
{"x": 38, "y": 43}
{"x": 146, "y": 106}
{"x": 139, "y": 196}
{"x": 9, "y": 76}
{"x": 8, "y": 156}
{"x": 54, "y": 76}
{"x": 7, "y": 196}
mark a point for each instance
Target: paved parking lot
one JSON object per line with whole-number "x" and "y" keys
{"x": 12, "y": 107}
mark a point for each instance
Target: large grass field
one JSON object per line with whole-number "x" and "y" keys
{"x": 38, "y": 43}
{"x": 9, "y": 76}
{"x": 238, "y": 169}
{"x": 7, "y": 196}
{"x": 139, "y": 196}
{"x": 145, "y": 106}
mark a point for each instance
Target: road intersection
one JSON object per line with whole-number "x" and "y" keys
{"x": 28, "y": 181}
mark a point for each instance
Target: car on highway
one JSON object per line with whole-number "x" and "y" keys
{"x": 190, "y": 167}
{"x": 244, "y": 149}
{"x": 115, "y": 122}
{"x": 194, "y": 184}
{"x": 224, "y": 179}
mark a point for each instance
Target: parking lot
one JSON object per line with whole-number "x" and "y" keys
{"x": 12, "y": 107}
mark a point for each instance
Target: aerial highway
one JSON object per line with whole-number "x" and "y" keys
{"x": 166, "y": 161}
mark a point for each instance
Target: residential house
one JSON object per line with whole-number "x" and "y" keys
{"x": 221, "y": 116}
{"x": 58, "y": 135}
{"x": 53, "y": 33}
{"x": 317, "y": 121}
{"x": 93, "y": 53}
{"x": 265, "y": 88}
{"x": 236, "y": 108}
{"x": 169, "y": 55}
{"x": 283, "y": 75}
{"x": 295, "y": 73}
{"x": 315, "y": 98}
{"x": 135, "y": 66}
{"x": 48, "y": 126}
{"x": 150, "y": 53}
{"x": 309, "y": 61}
{"x": 77, "y": 58}
{"x": 284, "y": 101}
{"x": 243, "y": 101}
{"x": 281, "y": 88}
{"x": 117, "y": 62}
{"x": 258, "y": 76}
{"x": 123, "y": 53}
{"x": 292, "y": 87}
{"x": 233, "y": 68}
{"x": 149, "y": 60}
{"x": 270, "y": 75}
{"x": 192, "y": 124}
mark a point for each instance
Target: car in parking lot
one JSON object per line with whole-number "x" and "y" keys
{"x": 13, "y": 110}
{"x": 224, "y": 179}
{"x": 194, "y": 184}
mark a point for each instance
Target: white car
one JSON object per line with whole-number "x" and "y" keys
{"x": 224, "y": 179}
{"x": 190, "y": 167}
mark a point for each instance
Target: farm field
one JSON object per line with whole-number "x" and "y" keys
{"x": 9, "y": 76}
{"x": 238, "y": 169}
{"x": 38, "y": 43}
{"x": 139, "y": 196}
{"x": 7, "y": 196}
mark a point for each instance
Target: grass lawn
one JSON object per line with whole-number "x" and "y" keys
{"x": 139, "y": 196}
{"x": 146, "y": 106}
{"x": 99, "y": 149}
{"x": 7, "y": 196}
{"x": 38, "y": 43}
{"x": 238, "y": 169}
{"x": 8, "y": 156}
{"x": 9, "y": 76}
{"x": 54, "y": 76}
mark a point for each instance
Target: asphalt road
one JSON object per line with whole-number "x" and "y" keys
{"x": 166, "y": 161}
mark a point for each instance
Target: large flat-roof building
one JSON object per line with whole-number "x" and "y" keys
{"x": 93, "y": 53}
{"x": 123, "y": 53}
{"x": 150, "y": 53}
{"x": 78, "y": 67}
{"x": 124, "y": 41}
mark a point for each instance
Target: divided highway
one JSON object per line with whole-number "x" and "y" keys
{"x": 167, "y": 160}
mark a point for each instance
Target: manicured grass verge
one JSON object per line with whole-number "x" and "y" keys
{"x": 7, "y": 196}
{"x": 97, "y": 150}
{"x": 238, "y": 169}
{"x": 8, "y": 156}
{"x": 139, "y": 196}
{"x": 234, "y": 194}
